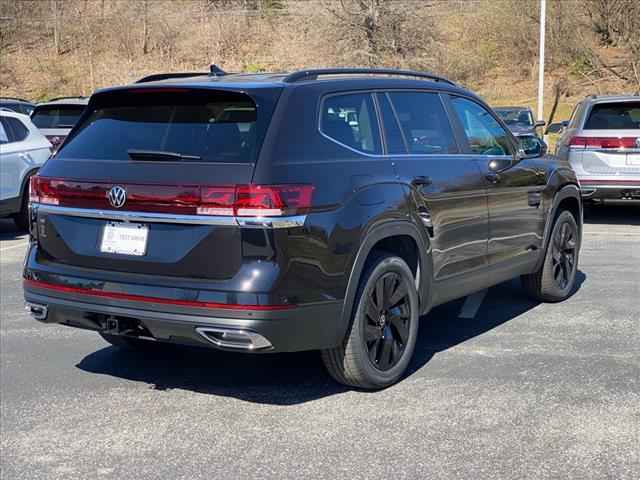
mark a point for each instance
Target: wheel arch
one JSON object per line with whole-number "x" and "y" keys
{"x": 568, "y": 197}
{"x": 393, "y": 237}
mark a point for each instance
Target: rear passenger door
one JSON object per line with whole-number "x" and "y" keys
{"x": 448, "y": 187}
{"x": 516, "y": 220}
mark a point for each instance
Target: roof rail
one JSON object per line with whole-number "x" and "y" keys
{"x": 164, "y": 76}
{"x": 15, "y": 98}
{"x": 315, "y": 73}
{"x": 65, "y": 98}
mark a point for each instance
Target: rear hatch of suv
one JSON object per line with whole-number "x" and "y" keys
{"x": 148, "y": 182}
{"x": 609, "y": 143}
{"x": 56, "y": 120}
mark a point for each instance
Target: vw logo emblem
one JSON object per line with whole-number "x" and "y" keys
{"x": 117, "y": 195}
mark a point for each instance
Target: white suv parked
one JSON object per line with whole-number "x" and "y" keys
{"x": 23, "y": 150}
{"x": 602, "y": 143}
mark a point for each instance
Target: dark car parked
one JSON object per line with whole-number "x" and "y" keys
{"x": 520, "y": 120}
{"x": 56, "y": 118}
{"x": 321, "y": 209}
{"x": 17, "y": 105}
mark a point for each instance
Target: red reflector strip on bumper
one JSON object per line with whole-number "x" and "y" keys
{"x": 141, "y": 298}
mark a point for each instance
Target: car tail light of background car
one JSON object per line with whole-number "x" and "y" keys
{"x": 616, "y": 143}
{"x": 235, "y": 200}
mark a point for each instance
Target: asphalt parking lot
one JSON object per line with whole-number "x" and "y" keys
{"x": 521, "y": 390}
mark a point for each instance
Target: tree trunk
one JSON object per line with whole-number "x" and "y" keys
{"x": 145, "y": 28}
{"x": 55, "y": 7}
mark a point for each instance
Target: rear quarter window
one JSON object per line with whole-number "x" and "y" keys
{"x": 202, "y": 126}
{"x": 351, "y": 120}
{"x": 614, "y": 116}
{"x": 16, "y": 130}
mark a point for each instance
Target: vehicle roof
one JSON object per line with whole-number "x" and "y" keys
{"x": 9, "y": 113}
{"x": 612, "y": 98}
{"x": 66, "y": 101}
{"x": 249, "y": 81}
{"x": 511, "y": 108}
{"x": 15, "y": 100}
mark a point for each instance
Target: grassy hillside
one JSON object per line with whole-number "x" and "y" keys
{"x": 70, "y": 47}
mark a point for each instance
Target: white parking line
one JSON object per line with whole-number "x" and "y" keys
{"x": 472, "y": 304}
{"x": 14, "y": 246}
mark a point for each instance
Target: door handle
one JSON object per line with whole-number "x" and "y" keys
{"x": 421, "y": 181}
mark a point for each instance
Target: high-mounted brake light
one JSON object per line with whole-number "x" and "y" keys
{"x": 237, "y": 200}
{"x": 603, "y": 142}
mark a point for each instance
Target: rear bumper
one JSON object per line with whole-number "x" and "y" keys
{"x": 609, "y": 189}
{"x": 308, "y": 327}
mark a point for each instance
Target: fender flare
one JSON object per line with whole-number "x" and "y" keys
{"x": 377, "y": 233}
{"x": 567, "y": 191}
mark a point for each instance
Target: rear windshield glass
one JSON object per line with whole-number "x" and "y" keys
{"x": 57, "y": 116}
{"x": 515, "y": 117}
{"x": 171, "y": 125}
{"x": 614, "y": 116}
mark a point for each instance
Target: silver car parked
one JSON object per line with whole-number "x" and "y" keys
{"x": 23, "y": 150}
{"x": 602, "y": 143}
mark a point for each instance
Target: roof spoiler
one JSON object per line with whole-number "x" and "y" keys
{"x": 214, "y": 71}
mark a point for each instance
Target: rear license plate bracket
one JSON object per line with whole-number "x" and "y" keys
{"x": 124, "y": 238}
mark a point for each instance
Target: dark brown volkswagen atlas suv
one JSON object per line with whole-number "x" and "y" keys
{"x": 315, "y": 210}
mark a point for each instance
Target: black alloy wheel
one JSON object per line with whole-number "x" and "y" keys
{"x": 563, "y": 254}
{"x": 379, "y": 344}
{"x": 388, "y": 317}
{"x": 554, "y": 281}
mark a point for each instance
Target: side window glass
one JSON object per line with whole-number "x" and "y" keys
{"x": 484, "y": 134}
{"x": 18, "y": 130}
{"x": 424, "y": 123}
{"x": 396, "y": 143}
{"x": 4, "y": 136}
{"x": 350, "y": 119}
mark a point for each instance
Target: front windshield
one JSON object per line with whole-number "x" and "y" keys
{"x": 516, "y": 117}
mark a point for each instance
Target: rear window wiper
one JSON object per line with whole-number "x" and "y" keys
{"x": 158, "y": 155}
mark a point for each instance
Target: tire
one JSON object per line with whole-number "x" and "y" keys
{"x": 127, "y": 343}
{"x": 555, "y": 279}
{"x": 378, "y": 348}
{"x": 21, "y": 219}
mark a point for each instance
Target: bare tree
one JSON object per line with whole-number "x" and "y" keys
{"x": 145, "y": 27}
{"x": 56, "y": 10}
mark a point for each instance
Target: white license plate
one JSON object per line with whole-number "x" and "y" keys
{"x": 633, "y": 159}
{"x": 124, "y": 238}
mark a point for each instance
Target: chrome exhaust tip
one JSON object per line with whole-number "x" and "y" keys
{"x": 37, "y": 311}
{"x": 235, "y": 339}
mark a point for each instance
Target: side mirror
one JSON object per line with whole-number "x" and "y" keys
{"x": 531, "y": 147}
{"x": 540, "y": 123}
{"x": 557, "y": 127}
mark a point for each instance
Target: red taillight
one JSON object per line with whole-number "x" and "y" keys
{"x": 603, "y": 142}
{"x": 272, "y": 200}
{"x": 238, "y": 200}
